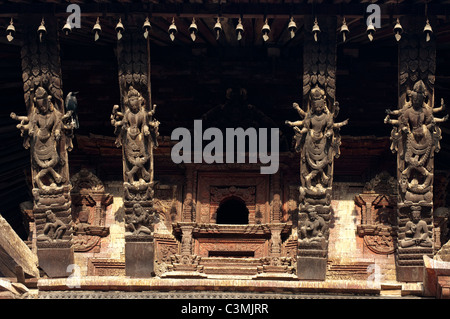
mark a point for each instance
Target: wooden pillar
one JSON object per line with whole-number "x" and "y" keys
{"x": 415, "y": 140}
{"x": 318, "y": 140}
{"x": 137, "y": 133}
{"x": 47, "y": 130}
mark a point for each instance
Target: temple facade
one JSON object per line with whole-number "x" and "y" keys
{"x": 225, "y": 146}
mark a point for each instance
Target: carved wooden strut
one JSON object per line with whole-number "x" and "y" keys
{"x": 317, "y": 139}
{"x": 415, "y": 139}
{"x": 47, "y": 130}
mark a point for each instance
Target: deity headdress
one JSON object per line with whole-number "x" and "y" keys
{"x": 418, "y": 88}
{"x": 132, "y": 92}
{"x": 317, "y": 93}
{"x": 41, "y": 93}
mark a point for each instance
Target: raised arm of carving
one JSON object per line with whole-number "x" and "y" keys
{"x": 340, "y": 124}
{"x": 440, "y": 108}
{"x": 299, "y": 109}
{"x": 296, "y": 123}
{"x": 116, "y": 117}
{"x": 24, "y": 124}
{"x": 441, "y": 120}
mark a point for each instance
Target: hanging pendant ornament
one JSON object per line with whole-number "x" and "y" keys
{"x": 67, "y": 28}
{"x": 344, "y": 30}
{"x": 193, "y": 30}
{"x": 97, "y": 30}
{"x": 316, "y": 30}
{"x": 218, "y": 28}
{"x": 428, "y": 31}
{"x": 172, "y": 30}
{"x": 239, "y": 30}
{"x": 42, "y": 30}
{"x": 265, "y": 31}
{"x": 119, "y": 29}
{"x": 147, "y": 27}
{"x": 292, "y": 27}
{"x": 10, "y": 31}
{"x": 398, "y": 30}
{"x": 370, "y": 31}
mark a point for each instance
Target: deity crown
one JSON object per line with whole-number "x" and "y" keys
{"x": 317, "y": 93}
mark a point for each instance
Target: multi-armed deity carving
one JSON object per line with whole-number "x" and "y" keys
{"x": 47, "y": 133}
{"x": 415, "y": 137}
{"x": 318, "y": 141}
{"x": 42, "y": 130}
{"x": 47, "y": 129}
{"x": 137, "y": 133}
{"x": 317, "y": 138}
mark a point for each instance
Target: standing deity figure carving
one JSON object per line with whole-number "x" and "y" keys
{"x": 317, "y": 138}
{"x": 42, "y": 129}
{"x": 137, "y": 132}
{"x": 416, "y": 137}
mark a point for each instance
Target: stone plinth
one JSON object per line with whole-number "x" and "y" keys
{"x": 311, "y": 268}
{"x": 436, "y": 278}
{"x": 139, "y": 256}
{"x": 55, "y": 260}
{"x": 409, "y": 263}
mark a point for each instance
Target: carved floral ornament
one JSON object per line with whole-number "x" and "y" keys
{"x": 247, "y": 194}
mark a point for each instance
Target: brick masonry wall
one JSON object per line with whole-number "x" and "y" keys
{"x": 111, "y": 247}
{"x": 349, "y": 258}
{"x": 346, "y": 249}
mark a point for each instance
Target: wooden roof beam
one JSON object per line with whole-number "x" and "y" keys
{"x": 230, "y": 10}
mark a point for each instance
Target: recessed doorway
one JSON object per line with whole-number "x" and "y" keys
{"x": 233, "y": 211}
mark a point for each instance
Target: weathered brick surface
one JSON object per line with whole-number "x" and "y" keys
{"x": 112, "y": 247}
{"x": 350, "y": 261}
{"x": 346, "y": 248}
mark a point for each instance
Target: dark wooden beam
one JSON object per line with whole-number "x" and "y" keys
{"x": 229, "y": 9}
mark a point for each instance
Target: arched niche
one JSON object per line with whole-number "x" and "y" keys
{"x": 232, "y": 210}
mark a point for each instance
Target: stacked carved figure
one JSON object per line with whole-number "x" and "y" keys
{"x": 318, "y": 140}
